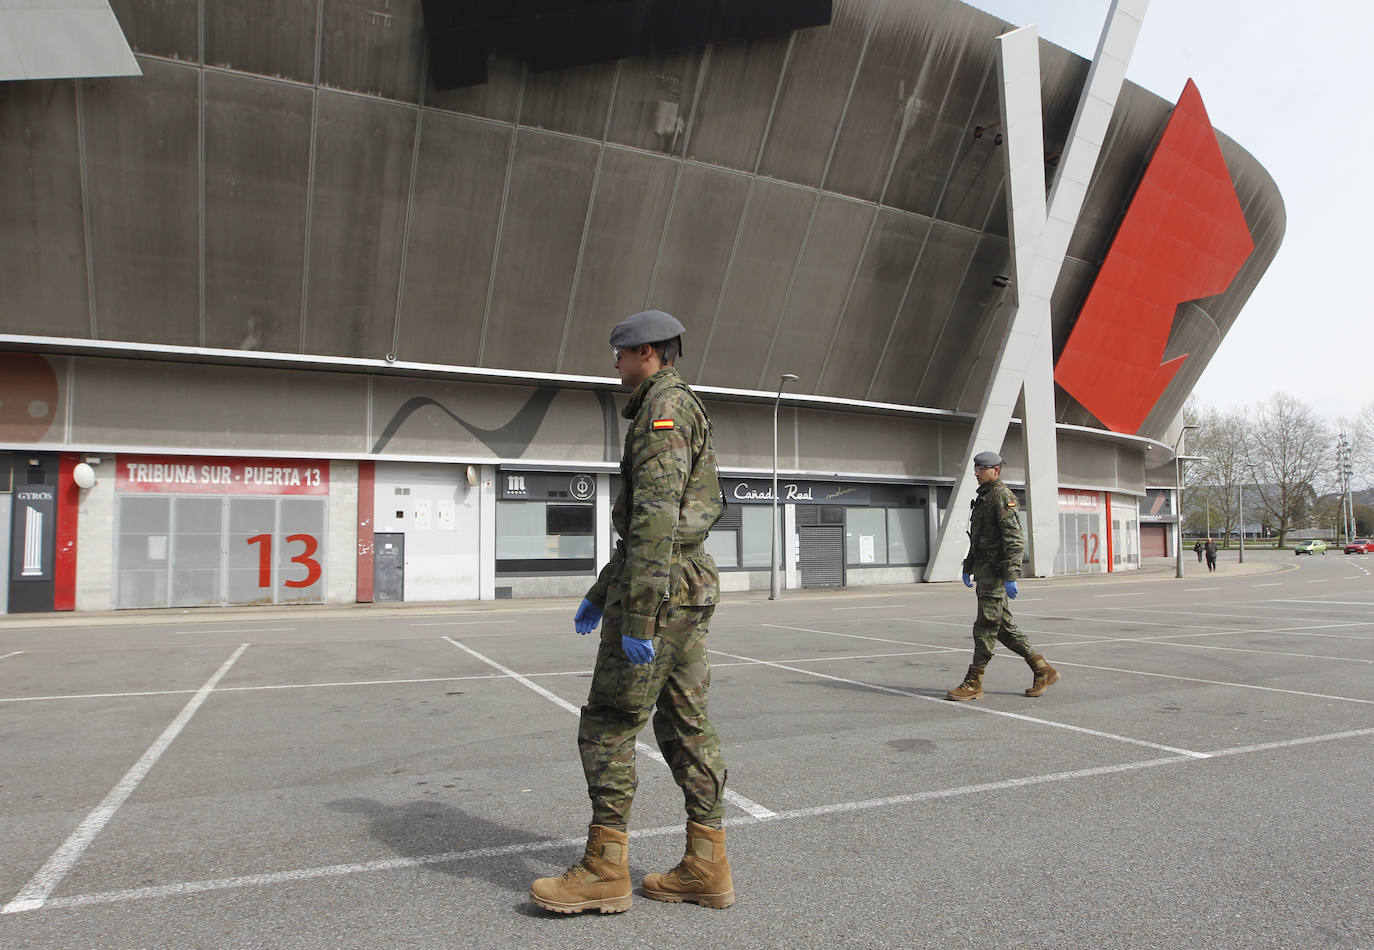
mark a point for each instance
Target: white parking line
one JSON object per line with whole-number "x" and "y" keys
{"x": 254, "y": 630}
{"x": 185, "y": 888}
{"x": 961, "y": 622}
{"x": 1134, "y": 593}
{"x": 8, "y": 655}
{"x": 844, "y": 657}
{"x": 1068, "y": 615}
{"x": 1162, "y": 642}
{"x": 1290, "y": 743}
{"x": 1265, "y": 585}
{"x": 457, "y": 623}
{"x": 873, "y": 607}
{"x": 35, "y": 893}
{"x": 832, "y": 633}
{"x": 965, "y": 706}
{"x": 735, "y": 798}
{"x": 1194, "y": 679}
{"x": 1305, "y": 631}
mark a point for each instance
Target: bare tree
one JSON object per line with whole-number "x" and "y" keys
{"x": 1360, "y": 433}
{"x": 1289, "y": 449}
{"x": 1222, "y": 440}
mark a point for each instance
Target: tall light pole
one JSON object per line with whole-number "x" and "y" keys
{"x": 783, "y": 380}
{"x": 1344, "y": 471}
{"x": 1178, "y": 497}
{"x": 1242, "y": 522}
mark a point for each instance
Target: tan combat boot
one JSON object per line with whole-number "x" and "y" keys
{"x": 600, "y": 881}
{"x": 1045, "y": 675}
{"x": 970, "y": 688}
{"x": 703, "y": 875}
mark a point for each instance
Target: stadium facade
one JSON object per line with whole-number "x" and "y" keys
{"x": 282, "y": 321}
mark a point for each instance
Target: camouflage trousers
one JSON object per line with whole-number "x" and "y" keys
{"x": 621, "y": 698}
{"x": 994, "y": 624}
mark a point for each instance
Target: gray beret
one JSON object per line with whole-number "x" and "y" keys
{"x": 650, "y": 326}
{"x": 987, "y": 459}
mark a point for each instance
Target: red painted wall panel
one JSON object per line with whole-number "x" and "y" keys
{"x": 367, "y": 480}
{"x": 64, "y": 558}
{"x": 1183, "y": 237}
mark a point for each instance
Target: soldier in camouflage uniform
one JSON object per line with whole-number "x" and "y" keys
{"x": 996, "y": 541}
{"x": 656, "y": 596}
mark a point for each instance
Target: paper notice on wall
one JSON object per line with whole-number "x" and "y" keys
{"x": 865, "y": 549}
{"x": 424, "y": 515}
{"x": 157, "y": 547}
{"x": 447, "y": 514}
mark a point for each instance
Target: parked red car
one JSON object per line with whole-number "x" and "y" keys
{"x": 1360, "y": 546}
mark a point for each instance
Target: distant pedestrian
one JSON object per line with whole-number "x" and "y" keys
{"x": 1197, "y": 549}
{"x": 1210, "y": 548}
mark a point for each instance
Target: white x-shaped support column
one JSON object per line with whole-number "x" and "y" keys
{"x": 1040, "y": 234}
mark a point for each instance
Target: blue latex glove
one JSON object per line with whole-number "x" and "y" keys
{"x": 968, "y": 580}
{"x": 637, "y": 651}
{"x": 1012, "y": 590}
{"x": 587, "y": 617}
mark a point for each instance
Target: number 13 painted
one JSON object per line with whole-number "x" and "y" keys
{"x": 306, "y": 558}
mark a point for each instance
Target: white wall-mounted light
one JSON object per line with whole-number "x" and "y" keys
{"x": 83, "y": 475}
{"x": 472, "y": 476}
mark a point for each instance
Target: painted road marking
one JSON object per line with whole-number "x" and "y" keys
{"x": 1194, "y": 679}
{"x": 35, "y": 893}
{"x": 735, "y": 798}
{"x": 832, "y": 633}
{"x": 977, "y": 709}
{"x": 561, "y": 844}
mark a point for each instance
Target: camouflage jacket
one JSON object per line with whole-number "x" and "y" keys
{"x": 996, "y": 540}
{"x": 669, "y": 500}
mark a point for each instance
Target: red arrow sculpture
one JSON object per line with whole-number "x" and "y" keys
{"x": 1184, "y": 237}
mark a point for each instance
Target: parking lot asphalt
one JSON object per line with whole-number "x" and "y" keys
{"x": 395, "y": 776}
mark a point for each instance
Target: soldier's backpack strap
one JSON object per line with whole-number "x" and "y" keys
{"x": 710, "y": 428}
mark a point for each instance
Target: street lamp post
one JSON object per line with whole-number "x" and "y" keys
{"x": 783, "y": 380}
{"x": 1242, "y": 522}
{"x": 1178, "y": 497}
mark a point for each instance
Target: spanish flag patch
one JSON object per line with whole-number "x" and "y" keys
{"x": 661, "y": 424}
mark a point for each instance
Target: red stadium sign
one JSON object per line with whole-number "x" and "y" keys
{"x": 191, "y": 475}
{"x": 1184, "y": 236}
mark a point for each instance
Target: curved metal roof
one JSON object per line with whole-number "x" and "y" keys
{"x": 822, "y": 204}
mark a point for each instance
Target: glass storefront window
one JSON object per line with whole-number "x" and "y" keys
{"x": 723, "y": 547}
{"x": 906, "y": 536}
{"x": 756, "y": 523}
{"x": 865, "y": 536}
{"x": 893, "y": 536}
{"x": 537, "y": 537}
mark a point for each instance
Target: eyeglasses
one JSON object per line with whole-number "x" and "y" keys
{"x": 983, "y": 468}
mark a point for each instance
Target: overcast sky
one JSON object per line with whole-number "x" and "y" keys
{"x": 1291, "y": 84}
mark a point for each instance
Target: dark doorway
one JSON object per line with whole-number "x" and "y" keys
{"x": 389, "y": 567}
